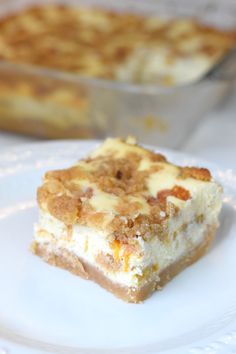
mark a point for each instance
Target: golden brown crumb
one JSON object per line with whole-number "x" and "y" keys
{"x": 176, "y": 191}
{"x": 157, "y": 157}
{"x": 202, "y": 174}
{"x": 68, "y": 174}
{"x": 181, "y": 193}
{"x": 64, "y": 208}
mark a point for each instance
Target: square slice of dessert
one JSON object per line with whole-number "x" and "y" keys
{"x": 126, "y": 218}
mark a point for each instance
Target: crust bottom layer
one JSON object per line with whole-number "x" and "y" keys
{"x": 69, "y": 261}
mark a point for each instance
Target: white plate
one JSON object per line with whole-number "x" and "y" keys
{"x": 45, "y": 309}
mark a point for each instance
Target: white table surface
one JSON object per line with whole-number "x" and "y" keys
{"x": 214, "y": 139}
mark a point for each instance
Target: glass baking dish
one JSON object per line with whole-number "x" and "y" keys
{"x": 51, "y": 104}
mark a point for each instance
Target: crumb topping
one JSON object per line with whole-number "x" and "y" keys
{"x": 202, "y": 174}
{"x": 176, "y": 191}
{"x": 64, "y": 208}
{"x": 109, "y": 191}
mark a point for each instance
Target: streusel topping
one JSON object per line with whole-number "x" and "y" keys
{"x": 121, "y": 188}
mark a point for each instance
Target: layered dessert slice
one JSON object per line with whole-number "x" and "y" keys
{"x": 126, "y": 218}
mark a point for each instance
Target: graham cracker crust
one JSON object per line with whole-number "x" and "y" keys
{"x": 69, "y": 261}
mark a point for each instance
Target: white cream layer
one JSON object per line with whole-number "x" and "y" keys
{"x": 152, "y": 66}
{"x": 87, "y": 243}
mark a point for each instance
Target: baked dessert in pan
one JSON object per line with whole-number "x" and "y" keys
{"x": 116, "y": 46}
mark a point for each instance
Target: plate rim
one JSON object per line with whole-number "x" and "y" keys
{"x": 18, "y": 149}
